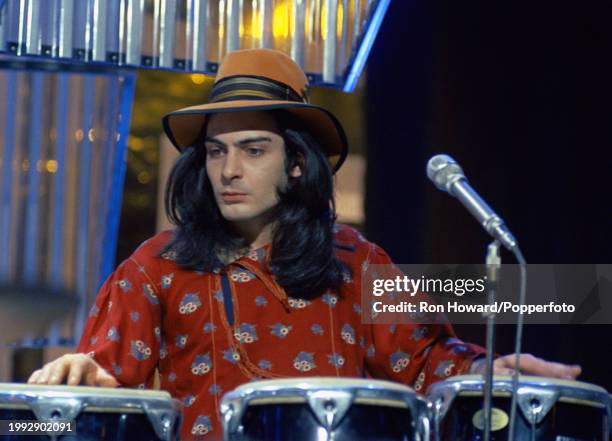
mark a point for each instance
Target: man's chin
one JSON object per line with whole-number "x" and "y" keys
{"x": 236, "y": 215}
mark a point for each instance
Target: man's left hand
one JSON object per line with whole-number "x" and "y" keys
{"x": 529, "y": 365}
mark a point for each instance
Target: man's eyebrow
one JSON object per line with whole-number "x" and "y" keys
{"x": 213, "y": 140}
{"x": 242, "y": 142}
{"x": 253, "y": 140}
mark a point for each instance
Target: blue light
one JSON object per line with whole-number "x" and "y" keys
{"x": 127, "y": 90}
{"x": 366, "y": 46}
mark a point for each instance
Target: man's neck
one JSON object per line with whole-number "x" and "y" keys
{"x": 256, "y": 234}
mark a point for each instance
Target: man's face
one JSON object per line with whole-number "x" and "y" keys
{"x": 245, "y": 162}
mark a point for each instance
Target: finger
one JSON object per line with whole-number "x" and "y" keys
{"x": 94, "y": 375}
{"x": 104, "y": 379}
{"x": 45, "y": 373}
{"x": 90, "y": 376}
{"x": 537, "y": 366}
{"x": 542, "y": 367}
{"x": 58, "y": 370}
{"x": 34, "y": 376}
{"x": 503, "y": 371}
{"x": 78, "y": 368}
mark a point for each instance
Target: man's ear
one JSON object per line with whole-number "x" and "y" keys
{"x": 296, "y": 171}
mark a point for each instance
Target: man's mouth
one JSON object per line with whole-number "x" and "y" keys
{"x": 232, "y": 197}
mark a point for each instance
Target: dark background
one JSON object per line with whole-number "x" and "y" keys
{"x": 520, "y": 94}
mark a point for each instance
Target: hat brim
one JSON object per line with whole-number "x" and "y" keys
{"x": 184, "y": 126}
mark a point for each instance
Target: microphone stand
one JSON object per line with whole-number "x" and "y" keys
{"x": 493, "y": 263}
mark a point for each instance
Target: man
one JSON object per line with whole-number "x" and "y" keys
{"x": 256, "y": 281}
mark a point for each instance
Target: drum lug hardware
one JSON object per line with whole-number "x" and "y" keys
{"x": 423, "y": 420}
{"x": 56, "y": 409}
{"x": 232, "y": 416}
{"x": 536, "y": 403}
{"x": 329, "y": 406}
{"x": 162, "y": 419}
{"x": 442, "y": 403}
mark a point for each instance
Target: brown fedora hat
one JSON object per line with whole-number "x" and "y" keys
{"x": 260, "y": 79}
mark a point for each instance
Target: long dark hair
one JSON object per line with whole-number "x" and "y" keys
{"x": 302, "y": 257}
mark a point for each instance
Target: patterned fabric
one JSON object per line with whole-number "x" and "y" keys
{"x": 151, "y": 313}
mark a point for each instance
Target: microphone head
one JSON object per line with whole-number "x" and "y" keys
{"x": 444, "y": 171}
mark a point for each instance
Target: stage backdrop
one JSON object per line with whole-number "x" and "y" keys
{"x": 519, "y": 93}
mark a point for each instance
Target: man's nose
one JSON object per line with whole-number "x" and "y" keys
{"x": 232, "y": 166}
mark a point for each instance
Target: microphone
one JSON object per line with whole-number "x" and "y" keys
{"x": 448, "y": 176}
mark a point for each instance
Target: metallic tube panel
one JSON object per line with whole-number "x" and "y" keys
{"x": 234, "y": 9}
{"x": 135, "y": 15}
{"x": 156, "y": 21}
{"x": 200, "y": 40}
{"x": 66, "y": 15}
{"x": 32, "y": 42}
{"x": 48, "y": 15}
{"x": 344, "y": 34}
{"x": 3, "y": 26}
{"x": 166, "y": 33}
{"x": 99, "y": 30}
{"x": 298, "y": 32}
{"x": 356, "y": 24}
{"x": 330, "y": 44}
{"x": 21, "y": 35}
{"x": 189, "y": 24}
{"x": 115, "y": 22}
{"x": 267, "y": 28}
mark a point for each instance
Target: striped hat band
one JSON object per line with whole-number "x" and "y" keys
{"x": 253, "y": 88}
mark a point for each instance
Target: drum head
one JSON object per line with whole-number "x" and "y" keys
{"x": 316, "y": 408}
{"x": 94, "y": 413}
{"x": 547, "y": 409}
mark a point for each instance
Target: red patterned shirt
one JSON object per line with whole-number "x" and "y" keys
{"x": 207, "y": 333}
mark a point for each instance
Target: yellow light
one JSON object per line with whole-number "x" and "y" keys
{"x": 144, "y": 177}
{"x": 198, "y": 78}
{"x": 91, "y": 135}
{"x": 78, "y": 135}
{"x": 25, "y": 165}
{"x": 256, "y": 30}
{"x": 135, "y": 144}
{"x": 51, "y": 165}
{"x": 280, "y": 21}
{"x": 339, "y": 17}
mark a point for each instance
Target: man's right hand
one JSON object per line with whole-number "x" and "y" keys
{"x": 77, "y": 369}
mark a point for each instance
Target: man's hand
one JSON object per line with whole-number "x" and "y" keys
{"x": 529, "y": 365}
{"x": 77, "y": 368}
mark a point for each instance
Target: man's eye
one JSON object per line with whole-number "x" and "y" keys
{"x": 254, "y": 151}
{"x": 214, "y": 152}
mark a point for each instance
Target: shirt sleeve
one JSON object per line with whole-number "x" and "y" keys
{"x": 123, "y": 330}
{"x": 415, "y": 354}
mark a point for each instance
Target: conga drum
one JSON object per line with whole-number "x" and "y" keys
{"x": 321, "y": 408}
{"x": 547, "y": 409}
{"x": 37, "y": 412}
